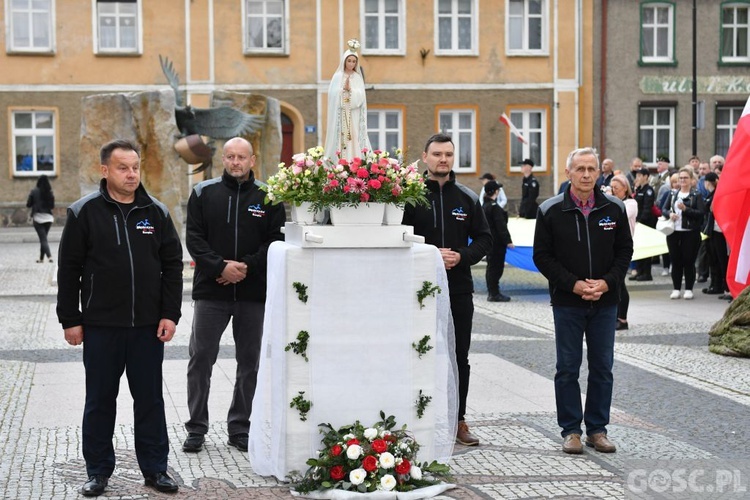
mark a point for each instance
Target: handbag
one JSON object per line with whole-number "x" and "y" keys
{"x": 655, "y": 210}
{"x": 665, "y": 226}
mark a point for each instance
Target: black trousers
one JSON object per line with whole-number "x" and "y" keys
{"x": 42, "y": 230}
{"x": 462, "y": 310}
{"x": 622, "y": 307}
{"x": 717, "y": 251}
{"x": 683, "y": 249}
{"x": 107, "y": 352}
{"x": 495, "y": 269}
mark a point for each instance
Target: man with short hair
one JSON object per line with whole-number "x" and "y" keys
{"x": 229, "y": 230}
{"x": 529, "y": 191}
{"x": 455, "y": 223}
{"x": 716, "y": 163}
{"x": 694, "y": 162}
{"x": 583, "y": 245}
{"x": 502, "y": 199}
{"x": 636, "y": 164}
{"x": 608, "y": 167}
{"x": 120, "y": 255}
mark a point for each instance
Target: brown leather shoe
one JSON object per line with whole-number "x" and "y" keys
{"x": 572, "y": 444}
{"x": 464, "y": 435}
{"x": 600, "y": 443}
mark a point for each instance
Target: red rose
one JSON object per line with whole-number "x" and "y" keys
{"x": 337, "y": 472}
{"x": 352, "y": 441}
{"x": 370, "y": 463}
{"x": 379, "y": 446}
{"x": 404, "y": 467}
{"x": 336, "y": 450}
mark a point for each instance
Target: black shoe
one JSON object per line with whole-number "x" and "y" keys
{"x": 633, "y": 277}
{"x": 95, "y": 486}
{"x": 701, "y": 279}
{"x": 712, "y": 291}
{"x": 725, "y": 296}
{"x": 621, "y": 325}
{"x": 239, "y": 441}
{"x": 643, "y": 277}
{"x": 161, "y": 482}
{"x": 194, "y": 442}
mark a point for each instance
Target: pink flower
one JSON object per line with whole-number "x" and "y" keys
{"x": 364, "y": 197}
{"x": 342, "y": 161}
{"x": 297, "y": 169}
{"x": 374, "y": 184}
{"x": 363, "y": 173}
{"x": 334, "y": 183}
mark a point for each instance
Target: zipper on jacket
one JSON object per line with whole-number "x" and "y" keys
{"x": 229, "y": 210}
{"x": 132, "y": 266}
{"x": 117, "y": 230}
{"x": 442, "y": 217}
{"x": 236, "y": 233}
{"x": 91, "y": 290}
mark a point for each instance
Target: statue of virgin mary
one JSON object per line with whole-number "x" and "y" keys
{"x": 346, "y": 132}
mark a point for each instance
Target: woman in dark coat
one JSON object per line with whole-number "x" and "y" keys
{"x": 42, "y": 201}
{"x": 501, "y": 241}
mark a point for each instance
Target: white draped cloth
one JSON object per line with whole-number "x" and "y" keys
{"x": 346, "y": 130}
{"x": 362, "y": 316}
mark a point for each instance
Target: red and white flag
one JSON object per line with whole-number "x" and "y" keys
{"x": 731, "y": 205}
{"x": 513, "y": 130}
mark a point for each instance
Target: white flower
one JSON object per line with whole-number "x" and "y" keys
{"x": 347, "y": 437}
{"x": 371, "y": 433}
{"x": 387, "y": 482}
{"x": 415, "y": 472}
{"x": 357, "y": 476}
{"x": 353, "y": 44}
{"x": 353, "y": 452}
{"x": 387, "y": 461}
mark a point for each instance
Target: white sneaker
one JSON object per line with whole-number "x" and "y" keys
{"x": 676, "y": 295}
{"x": 665, "y": 272}
{"x": 688, "y": 295}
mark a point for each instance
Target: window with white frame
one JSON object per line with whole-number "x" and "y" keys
{"x": 735, "y": 33}
{"x": 727, "y": 118}
{"x": 657, "y": 32}
{"x": 384, "y": 128}
{"x": 456, "y": 27}
{"x": 460, "y": 124}
{"x": 117, "y": 25}
{"x": 265, "y": 26}
{"x": 383, "y": 26}
{"x": 31, "y": 26}
{"x": 531, "y": 123}
{"x": 33, "y": 144}
{"x": 526, "y": 27}
{"x": 656, "y": 132}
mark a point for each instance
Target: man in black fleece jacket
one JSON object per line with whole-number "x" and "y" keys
{"x": 229, "y": 230}
{"x": 583, "y": 246}
{"x": 452, "y": 218}
{"x": 121, "y": 257}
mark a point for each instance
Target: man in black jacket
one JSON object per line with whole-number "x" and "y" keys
{"x": 529, "y": 191}
{"x": 120, "y": 254}
{"x": 453, "y": 216}
{"x": 229, "y": 230}
{"x": 583, "y": 246}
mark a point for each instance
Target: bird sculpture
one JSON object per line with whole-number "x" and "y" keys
{"x": 214, "y": 123}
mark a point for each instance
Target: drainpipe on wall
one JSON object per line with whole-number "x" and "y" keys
{"x": 603, "y": 85}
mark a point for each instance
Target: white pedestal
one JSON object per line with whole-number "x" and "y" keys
{"x": 322, "y": 236}
{"x": 362, "y": 316}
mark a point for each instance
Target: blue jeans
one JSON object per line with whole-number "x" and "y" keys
{"x": 598, "y": 324}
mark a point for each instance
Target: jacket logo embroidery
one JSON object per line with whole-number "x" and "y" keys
{"x": 607, "y": 223}
{"x": 459, "y": 214}
{"x": 145, "y": 227}
{"x": 256, "y": 210}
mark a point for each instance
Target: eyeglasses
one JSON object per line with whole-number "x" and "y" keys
{"x": 684, "y": 178}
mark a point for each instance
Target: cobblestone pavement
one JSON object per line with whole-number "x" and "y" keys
{"x": 673, "y": 400}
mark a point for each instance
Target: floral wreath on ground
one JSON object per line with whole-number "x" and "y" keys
{"x": 367, "y": 459}
{"x": 373, "y": 177}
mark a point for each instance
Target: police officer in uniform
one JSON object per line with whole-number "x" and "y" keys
{"x": 529, "y": 191}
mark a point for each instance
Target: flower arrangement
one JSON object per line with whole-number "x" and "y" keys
{"x": 299, "y": 182}
{"x": 367, "y": 459}
{"x": 374, "y": 176}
